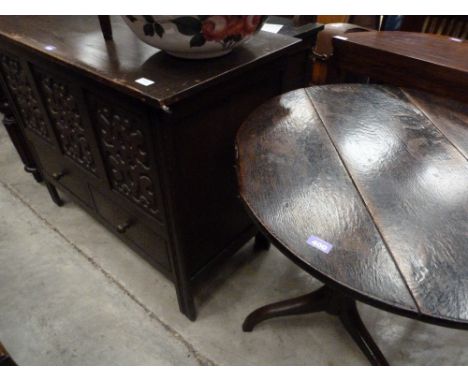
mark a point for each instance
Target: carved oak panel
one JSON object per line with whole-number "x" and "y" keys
{"x": 126, "y": 156}
{"x": 62, "y": 107}
{"x": 23, "y": 94}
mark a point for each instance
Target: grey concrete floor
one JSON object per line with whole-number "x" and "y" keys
{"x": 73, "y": 294}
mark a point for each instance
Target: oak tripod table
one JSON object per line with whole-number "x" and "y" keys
{"x": 366, "y": 188}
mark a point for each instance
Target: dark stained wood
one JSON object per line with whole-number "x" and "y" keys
{"x": 413, "y": 181}
{"x": 351, "y": 320}
{"x": 154, "y": 175}
{"x": 330, "y": 301}
{"x": 448, "y": 115}
{"x": 54, "y": 195}
{"x": 429, "y": 62}
{"x": 106, "y": 27}
{"x": 5, "y": 358}
{"x": 294, "y": 183}
{"x": 79, "y": 45}
{"x": 130, "y": 226}
{"x": 364, "y": 168}
{"x": 449, "y": 25}
{"x": 307, "y": 32}
{"x": 316, "y": 301}
{"x": 261, "y": 242}
{"x": 17, "y": 137}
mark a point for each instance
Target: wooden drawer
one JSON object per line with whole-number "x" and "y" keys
{"x": 60, "y": 170}
{"x": 131, "y": 228}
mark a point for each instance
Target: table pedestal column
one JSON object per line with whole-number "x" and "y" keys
{"x": 330, "y": 301}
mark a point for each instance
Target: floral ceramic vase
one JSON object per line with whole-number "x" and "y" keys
{"x": 195, "y": 36}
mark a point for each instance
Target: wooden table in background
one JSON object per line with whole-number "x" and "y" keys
{"x": 434, "y": 63}
{"x": 379, "y": 173}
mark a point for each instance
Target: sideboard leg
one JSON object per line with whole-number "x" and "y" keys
{"x": 328, "y": 300}
{"x": 261, "y": 242}
{"x": 54, "y": 194}
{"x": 35, "y": 173}
{"x": 190, "y": 310}
{"x": 186, "y": 302}
{"x": 18, "y": 139}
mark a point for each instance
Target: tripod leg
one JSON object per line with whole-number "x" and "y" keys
{"x": 353, "y": 324}
{"x": 309, "y": 303}
{"x": 261, "y": 242}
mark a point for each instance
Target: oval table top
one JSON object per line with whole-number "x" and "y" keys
{"x": 378, "y": 174}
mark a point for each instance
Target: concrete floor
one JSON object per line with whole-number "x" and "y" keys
{"x": 73, "y": 294}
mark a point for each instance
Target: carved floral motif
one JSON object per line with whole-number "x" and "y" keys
{"x": 126, "y": 156}
{"x": 24, "y": 96}
{"x": 64, "y": 115}
{"x": 224, "y": 30}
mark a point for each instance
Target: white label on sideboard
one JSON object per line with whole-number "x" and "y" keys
{"x": 273, "y": 28}
{"x": 144, "y": 81}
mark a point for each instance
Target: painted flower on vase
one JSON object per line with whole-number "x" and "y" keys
{"x": 220, "y": 28}
{"x": 225, "y": 30}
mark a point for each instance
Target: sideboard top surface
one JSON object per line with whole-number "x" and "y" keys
{"x": 77, "y": 42}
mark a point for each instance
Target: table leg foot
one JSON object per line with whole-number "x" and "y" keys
{"x": 351, "y": 320}
{"x": 5, "y": 359}
{"x": 309, "y": 303}
{"x": 261, "y": 242}
{"x": 54, "y": 194}
{"x": 330, "y": 301}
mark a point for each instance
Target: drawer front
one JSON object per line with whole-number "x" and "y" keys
{"x": 130, "y": 227}
{"x": 61, "y": 170}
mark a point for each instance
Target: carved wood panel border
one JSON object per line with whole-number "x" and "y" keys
{"x": 126, "y": 150}
{"x": 62, "y": 106}
{"x": 23, "y": 94}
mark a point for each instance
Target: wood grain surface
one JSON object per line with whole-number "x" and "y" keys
{"x": 448, "y": 115}
{"x": 435, "y": 49}
{"x": 370, "y": 171}
{"x": 77, "y": 42}
{"x": 294, "y": 182}
{"x": 433, "y": 63}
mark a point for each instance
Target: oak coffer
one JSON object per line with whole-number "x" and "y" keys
{"x": 142, "y": 141}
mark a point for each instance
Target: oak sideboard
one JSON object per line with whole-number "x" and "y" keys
{"x": 142, "y": 141}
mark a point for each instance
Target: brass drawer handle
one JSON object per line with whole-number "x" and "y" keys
{"x": 121, "y": 228}
{"x": 59, "y": 175}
